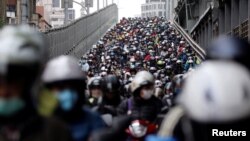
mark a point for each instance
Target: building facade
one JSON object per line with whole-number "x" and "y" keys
{"x": 54, "y": 13}
{"x": 153, "y": 8}
{"x": 170, "y": 12}
{"x": 160, "y": 8}
{"x": 206, "y": 19}
{"x": 10, "y": 12}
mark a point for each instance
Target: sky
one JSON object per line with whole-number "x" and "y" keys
{"x": 127, "y": 8}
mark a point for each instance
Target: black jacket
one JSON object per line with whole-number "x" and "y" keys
{"x": 140, "y": 109}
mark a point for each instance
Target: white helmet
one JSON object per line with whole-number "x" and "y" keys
{"x": 158, "y": 83}
{"x": 103, "y": 68}
{"x": 21, "y": 45}
{"x": 62, "y": 68}
{"x": 142, "y": 78}
{"x": 218, "y": 92}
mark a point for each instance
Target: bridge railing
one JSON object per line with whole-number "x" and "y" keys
{"x": 77, "y": 37}
{"x": 200, "y": 52}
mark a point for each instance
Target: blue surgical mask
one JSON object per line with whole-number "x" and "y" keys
{"x": 67, "y": 99}
{"x": 10, "y": 106}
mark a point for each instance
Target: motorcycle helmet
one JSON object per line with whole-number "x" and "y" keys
{"x": 141, "y": 79}
{"x": 95, "y": 82}
{"x": 222, "y": 97}
{"x": 23, "y": 54}
{"x": 63, "y": 68}
{"x": 111, "y": 84}
{"x": 230, "y": 48}
{"x": 160, "y": 64}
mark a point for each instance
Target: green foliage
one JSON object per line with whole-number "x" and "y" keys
{"x": 1, "y": 23}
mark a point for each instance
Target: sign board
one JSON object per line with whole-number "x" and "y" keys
{"x": 70, "y": 3}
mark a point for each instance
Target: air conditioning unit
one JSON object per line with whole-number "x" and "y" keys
{"x": 10, "y": 14}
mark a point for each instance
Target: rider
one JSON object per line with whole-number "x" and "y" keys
{"x": 111, "y": 95}
{"x": 143, "y": 104}
{"x": 217, "y": 97}
{"x": 95, "y": 87}
{"x": 66, "y": 85}
{"x": 23, "y": 54}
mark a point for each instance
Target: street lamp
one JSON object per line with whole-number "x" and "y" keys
{"x": 82, "y": 4}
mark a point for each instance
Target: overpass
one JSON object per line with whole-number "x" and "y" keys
{"x": 78, "y": 37}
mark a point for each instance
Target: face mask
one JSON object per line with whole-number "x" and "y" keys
{"x": 67, "y": 99}
{"x": 147, "y": 94}
{"x": 9, "y": 107}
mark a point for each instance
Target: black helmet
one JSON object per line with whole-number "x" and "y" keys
{"x": 230, "y": 48}
{"x": 95, "y": 82}
{"x": 111, "y": 84}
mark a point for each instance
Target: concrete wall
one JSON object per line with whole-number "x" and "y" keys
{"x": 229, "y": 17}
{"x": 78, "y": 37}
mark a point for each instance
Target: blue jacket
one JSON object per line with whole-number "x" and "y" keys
{"x": 91, "y": 122}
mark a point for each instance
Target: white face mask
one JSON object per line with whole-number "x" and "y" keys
{"x": 147, "y": 94}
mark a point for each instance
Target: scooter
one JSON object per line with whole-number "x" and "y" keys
{"x": 139, "y": 129}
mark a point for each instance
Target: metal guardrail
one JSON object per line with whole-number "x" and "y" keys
{"x": 77, "y": 37}
{"x": 200, "y": 52}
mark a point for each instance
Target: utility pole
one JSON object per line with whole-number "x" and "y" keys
{"x": 24, "y": 11}
{"x": 103, "y": 3}
{"x": 186, "y": 7}
{"x": 87, "y": 4}
{"x": 18, "y": 11}
{"x": 98, "y": 5}
{"x": 66, "y": 4}
{"x": 106, "y": 2}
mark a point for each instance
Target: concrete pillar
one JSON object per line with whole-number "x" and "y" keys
{"x": 235, "y": 13}
{"x": 18, "y": 11}
{"x": 210, "y": 30}
{"x": 248, "y": 21}
{"x": 24, "y": 11}
{"x": 66, "y": 4}
{"x": 227, "y": 23}
{"x": 243, "y": 10}
{"x": 186, "y": 11}
{"x": 222, "y": 20}
{"x": 205, "y": 35}
{"x": 98, "y": 5}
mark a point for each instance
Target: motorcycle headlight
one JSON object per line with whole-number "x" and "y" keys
{"x": 137, "y": 130}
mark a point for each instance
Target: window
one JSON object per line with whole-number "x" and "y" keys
{"x": 159, "y": 6}
{"x": 155, "y": 6}
{"x": 71, "y": 16}
{"x": 56, "y": 3}
{"x": 160, "y": 13}
{"x": 54, "y": 19}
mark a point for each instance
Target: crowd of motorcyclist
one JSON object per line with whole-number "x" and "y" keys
{"x": 140, "y": 78}
{"x": 131, "y": 46}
